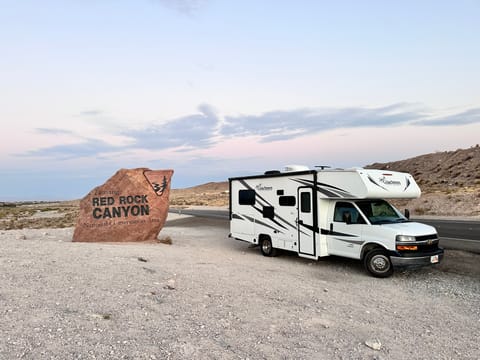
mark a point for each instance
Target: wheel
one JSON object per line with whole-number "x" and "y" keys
{"x": 266, "y": 247}
{"x": 377, "y": 262}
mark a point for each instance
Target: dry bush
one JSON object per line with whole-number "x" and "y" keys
{"x": 166, "y": 240}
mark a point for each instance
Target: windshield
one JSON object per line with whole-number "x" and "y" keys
{"x": 380, "y": 212}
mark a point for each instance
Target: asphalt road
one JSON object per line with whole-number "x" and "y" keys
{"x": 453, "y": 234}
{"x": 456, "y": 234}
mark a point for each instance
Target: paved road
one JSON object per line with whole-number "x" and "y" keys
{"x": 454, "y": 234}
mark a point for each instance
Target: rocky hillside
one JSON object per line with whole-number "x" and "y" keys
{"x": 209, "y": 194}
{"x": 450, "y": 183}
{"x": 442, "y": 171}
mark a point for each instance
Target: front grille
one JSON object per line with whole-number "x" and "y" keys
{"x": 426, "y": 237}
{"x": 427, "y": 248}
{"x": 422, "y": 250}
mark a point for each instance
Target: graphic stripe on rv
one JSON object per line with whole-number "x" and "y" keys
{"x": 374, "y": 182}
{"x": 407, "y": 181}
{"x": 244, "y": 183}
{"x": 328, "y": 232}
{"x": 251, "y": 219}
{"x": 356, "y": 242}
{"x": 327, "y": 190}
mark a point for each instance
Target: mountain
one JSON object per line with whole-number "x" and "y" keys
{"x": 445, "y": 170}
{"x": 449, "y": 180}
{"x": 209, "y": 194}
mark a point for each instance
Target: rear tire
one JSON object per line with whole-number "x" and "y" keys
{"x": 378, "y": 263}
{"x": 267, "y": 248}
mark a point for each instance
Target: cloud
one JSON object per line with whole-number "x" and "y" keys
{"x": 52, "y": 131}
{"x": 87, "y": 148}
{"x": 187, "y": 7}
{"x": 279, "y": 125}
{"x": 471, "y": 116}
{"x": 91, "y": 113}
{"x": 192, "y": 131}
{"x": 206, "y": 128}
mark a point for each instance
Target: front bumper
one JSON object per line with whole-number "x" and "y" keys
{"x": 409, "y": 261}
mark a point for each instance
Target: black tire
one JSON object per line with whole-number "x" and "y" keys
{"x": 266, "y": 247}
{"x": 378, "y": 263}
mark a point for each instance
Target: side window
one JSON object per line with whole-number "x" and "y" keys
{"x": 305, "y": 202}
{"x": 246, "y": 197}
{"x": 287, "y": 201}
{"x": 268, "y": 212}
{"x": 343, "y": 207}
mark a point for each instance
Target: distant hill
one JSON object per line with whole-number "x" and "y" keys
{"x": 209, "y": 194}
{"x": 450, "y": 183}
{"x": 440, "y": 170}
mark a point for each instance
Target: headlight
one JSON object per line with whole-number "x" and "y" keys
{"x": 405, "y": 238}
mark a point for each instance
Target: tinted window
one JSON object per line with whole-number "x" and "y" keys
{"x": 287, "y": 201}
{"x": 380, "y": 212}
{"x": 343, "y": 207}
{"x": 246, "y": 197}
{"x": 305, "y": 203}
{"x": 268, "y": 212}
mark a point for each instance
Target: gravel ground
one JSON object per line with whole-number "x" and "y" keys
{"x": 210, "y": 297}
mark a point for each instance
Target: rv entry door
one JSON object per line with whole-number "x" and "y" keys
{"x": 306, "y": 223}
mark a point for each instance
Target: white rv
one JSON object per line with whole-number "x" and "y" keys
{"x": 318, "y": 213}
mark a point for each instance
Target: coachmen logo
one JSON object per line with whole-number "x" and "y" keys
{"x": 384, "y": 179}
{"x": 261, "y": 187}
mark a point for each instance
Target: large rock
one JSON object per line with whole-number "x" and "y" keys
{"x": 131, "y": 206}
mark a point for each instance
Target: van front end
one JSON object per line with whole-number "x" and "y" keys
{"x": 416, "y": 251}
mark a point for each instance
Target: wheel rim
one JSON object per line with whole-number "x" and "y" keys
{"x": 380, "y": 263}
{"x": 266, "y": 247}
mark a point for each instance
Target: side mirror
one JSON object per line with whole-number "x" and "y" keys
{"x": 347, "y": 217}
{"x": 407, "y": 214}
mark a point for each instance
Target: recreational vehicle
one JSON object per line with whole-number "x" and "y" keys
{"x": 323, "y": 212}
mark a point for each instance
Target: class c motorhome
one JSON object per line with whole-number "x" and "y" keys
{"x": 318, "y": 213}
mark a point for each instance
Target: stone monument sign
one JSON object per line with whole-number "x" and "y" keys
{"x": 131, "y": 206}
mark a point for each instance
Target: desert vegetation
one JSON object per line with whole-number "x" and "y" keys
{"x": 450, "y": 183}
{"x": 38, "y": 215}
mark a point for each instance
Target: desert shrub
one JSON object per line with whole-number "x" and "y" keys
{"x": 165, "y": 240}
{"x": 420, "y": 211}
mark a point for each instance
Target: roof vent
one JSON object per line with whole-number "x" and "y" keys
{"x": 292, "y": 168}
{"x": 272, "y": 172}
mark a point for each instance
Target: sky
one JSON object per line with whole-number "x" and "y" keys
{"x": 222, "y": 88}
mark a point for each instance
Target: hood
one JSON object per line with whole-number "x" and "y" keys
{"x": 410, "y": 228}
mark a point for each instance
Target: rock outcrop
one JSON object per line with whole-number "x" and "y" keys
{"x": 131, "y": 206}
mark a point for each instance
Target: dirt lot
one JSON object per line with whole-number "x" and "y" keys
{"x": 210, "y": 297}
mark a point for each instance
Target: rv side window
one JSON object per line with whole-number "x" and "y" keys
{"x": 305, "y": 206}
{"x": 287, "y": 201}
{"x": 246, "y": 197}
{"x": 343, "y": 207}
{"x": 268, "y": 212}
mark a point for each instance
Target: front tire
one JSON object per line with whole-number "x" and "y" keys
{"x": 267, "y": 248}
{"x": 378, "y": 263}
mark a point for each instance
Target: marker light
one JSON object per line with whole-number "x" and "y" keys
{"x": 407, "y": 247}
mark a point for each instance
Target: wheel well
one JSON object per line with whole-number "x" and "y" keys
{"x": 368, "y": 247}
{"x": 263, "y": 236}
